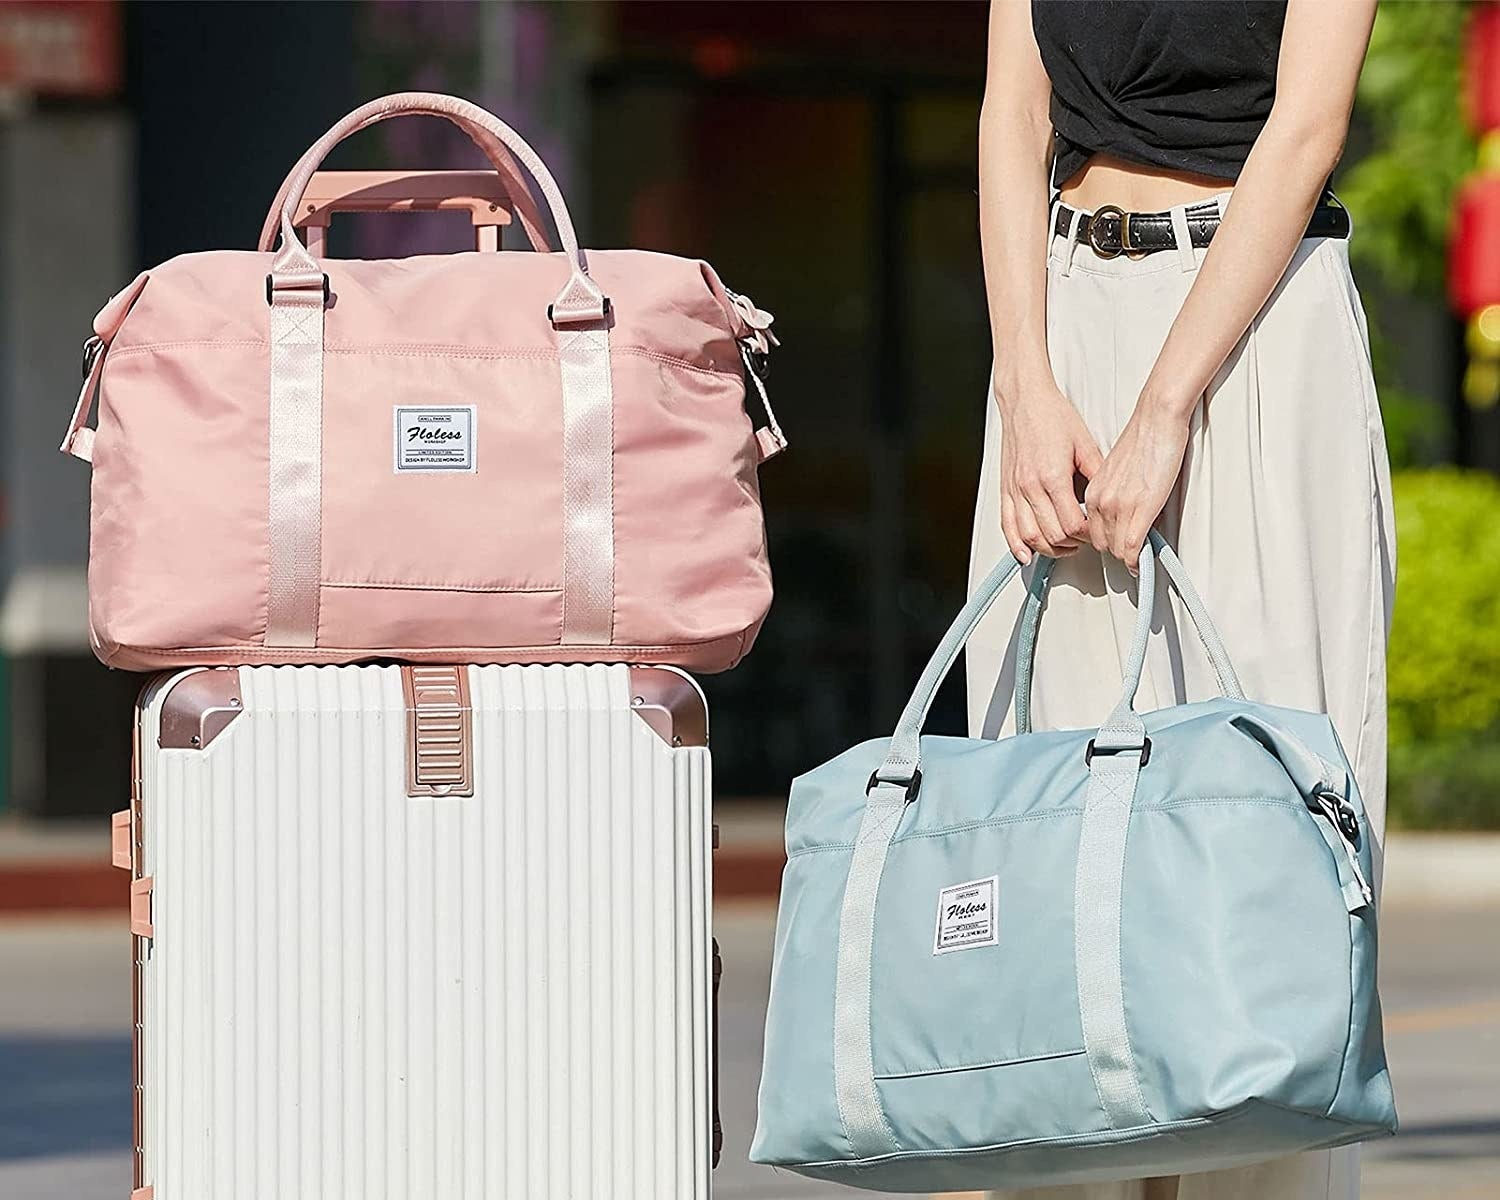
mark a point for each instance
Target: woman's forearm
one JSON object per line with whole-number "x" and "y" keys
{"x": 1046, "y": 445}
{"x": 1322, "y": 49}
{"x": 1015, "y": 148}
{"x": 1013, "y": 154}
{"x": 1276, "y": 194}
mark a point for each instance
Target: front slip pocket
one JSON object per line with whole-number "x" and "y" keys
{"x": 973, "y": 953}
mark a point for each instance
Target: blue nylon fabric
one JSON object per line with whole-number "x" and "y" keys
{"x": 1249, "y": 985}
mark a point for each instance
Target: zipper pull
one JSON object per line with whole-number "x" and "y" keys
{"x": 755, "y": 347}
{"x": 757, "y": 320}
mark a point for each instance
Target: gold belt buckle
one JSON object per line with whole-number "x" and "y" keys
{"x": 1109, "y": 210}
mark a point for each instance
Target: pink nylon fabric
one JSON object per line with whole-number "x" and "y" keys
{"x": 424, "y": 566}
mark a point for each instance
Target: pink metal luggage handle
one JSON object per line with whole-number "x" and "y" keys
{"x": 501, "y": 159}
{"x": 294, "y": 268}
{"x": 482, "y": 194}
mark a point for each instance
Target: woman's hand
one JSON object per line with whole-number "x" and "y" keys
{"x": 1044, "y": 444}
{"x": 1129, "y": 491}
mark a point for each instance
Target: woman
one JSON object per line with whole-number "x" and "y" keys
{"x": 1172, "y": 358}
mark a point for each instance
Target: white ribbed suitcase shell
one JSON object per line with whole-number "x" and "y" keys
{"x": 349, "y": 992}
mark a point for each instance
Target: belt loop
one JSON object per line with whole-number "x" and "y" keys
{"x": 1330, "y": 198}
{"x": 1186, "y": 257}
{"x": 1072, "y": 247}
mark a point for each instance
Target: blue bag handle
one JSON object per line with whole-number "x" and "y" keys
{"x": 1031, "y": 616}
{"x": 1123, "y": 730}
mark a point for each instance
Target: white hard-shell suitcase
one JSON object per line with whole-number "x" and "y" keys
{"x": 422, "y": 931}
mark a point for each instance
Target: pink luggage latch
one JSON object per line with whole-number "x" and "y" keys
{"x": 439, "y": 731}
{"x": 140, "y": 908}
{"x": 119, "y": 840}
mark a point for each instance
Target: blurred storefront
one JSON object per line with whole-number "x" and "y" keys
{"x": 824, "y": 162}
{"x": 66, "y": 227}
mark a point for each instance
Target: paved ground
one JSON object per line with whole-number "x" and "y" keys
{"x": 64, "y": 1057}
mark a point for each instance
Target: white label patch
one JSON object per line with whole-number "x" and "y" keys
{"x": 435, "y": 438}
{"x": 966, "y": 915}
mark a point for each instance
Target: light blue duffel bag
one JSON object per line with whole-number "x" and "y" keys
{"x": 1074, "y": 956}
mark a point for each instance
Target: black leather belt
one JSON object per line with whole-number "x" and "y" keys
{"x": 1110, "y": 232}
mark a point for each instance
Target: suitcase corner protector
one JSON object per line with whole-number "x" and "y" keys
{"x": 671, "y": 704}
{"x": 198, "y": 707}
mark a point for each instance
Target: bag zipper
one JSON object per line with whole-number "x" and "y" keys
{"x": 755, "y": 348}
{"x": 1341, "y": 815}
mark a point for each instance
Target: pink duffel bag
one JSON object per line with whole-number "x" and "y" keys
{"x": 505, "y": 457}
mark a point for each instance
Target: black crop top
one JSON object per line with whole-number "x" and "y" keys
{"x": 1182, "y": 84}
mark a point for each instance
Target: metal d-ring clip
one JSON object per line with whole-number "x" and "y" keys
{"x": 92, "y": 349}
{"x": 1341, "y": 813}
{"x": 1343, "y": 818}
{"x": 757, "y": 362}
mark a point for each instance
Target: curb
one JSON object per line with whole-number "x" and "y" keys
{"x": 77, "y": 886}
{"x": 1437, "y": 870}
{"x": 1422, "y": 870}
{"x": 91, "y": 886}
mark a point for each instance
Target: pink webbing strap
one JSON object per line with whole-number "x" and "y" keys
{"x": 79, "y": 438}
{"x": 295, "y": 427}
{"x": 298, "y": 292}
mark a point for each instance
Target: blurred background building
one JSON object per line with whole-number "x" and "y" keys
{"x": 822, "y": 156}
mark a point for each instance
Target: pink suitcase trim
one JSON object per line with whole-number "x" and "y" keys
{"x": 140, "y": 908}
{"x": 119, "y": 840}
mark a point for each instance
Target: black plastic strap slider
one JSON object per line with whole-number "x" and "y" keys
{"x": 606, "y": 312}
{"x": 1090, "y": 751}
{"x": 913, "y": 785}
{"x": 327, "y": 291}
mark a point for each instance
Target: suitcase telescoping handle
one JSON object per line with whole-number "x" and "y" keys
{"x": 482, "y": 194}
{"x": 295, "y": 272}
{"x": 512, "y": 182}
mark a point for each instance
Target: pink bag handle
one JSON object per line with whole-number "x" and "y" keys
{"x": 580, "y": 300}
{"x": 500, "y": 159}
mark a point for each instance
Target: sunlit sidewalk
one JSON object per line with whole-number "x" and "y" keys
{"x": 64, "y": 1044}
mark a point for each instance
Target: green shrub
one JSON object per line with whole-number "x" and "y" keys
{"x": 1444, "y": 679}
{"x": 1445, "y": 642}
{"x": 1451, "y": 784}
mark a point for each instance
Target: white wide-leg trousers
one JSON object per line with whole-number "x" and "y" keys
{"x": 1282, "y": 517}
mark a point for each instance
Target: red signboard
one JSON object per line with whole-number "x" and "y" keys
{"x": 1474, "y": 252}
{"x": 60, "y": 47}
{"x": 1482, "y": 67}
